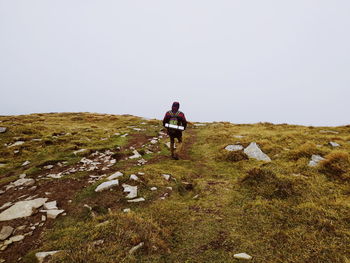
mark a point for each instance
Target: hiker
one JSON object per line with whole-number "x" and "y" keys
{"x": 175, "y": 117}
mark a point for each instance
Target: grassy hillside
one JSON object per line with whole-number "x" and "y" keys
{"x": 216, "y": 203}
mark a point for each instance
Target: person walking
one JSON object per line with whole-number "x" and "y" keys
{"x": 177, "y": 120}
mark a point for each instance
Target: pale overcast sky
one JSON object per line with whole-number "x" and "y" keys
{"x": 243, "y": 61}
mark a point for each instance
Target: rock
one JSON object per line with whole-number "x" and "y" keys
{"x": 315, "y": 159}
{"x": 5, "y": 232}
{"x": 167, "y": 144}
{"x": 43, "y": 218}
{"x": 42, "y": 255}
{"x": 253, "y": 151}
{"x": 16, "y": 144}
{"x": 127, "y": 210}
{"x": 153, "y": 188}
{"x": 2, "y": 165}
{"x": 48, "y": 167}
{"x": 169, "y": 188}
{"x": 238, "y": 136}
{"x": 135, "y": 248}
{"x": 154, "y": 141}
{"x": 3, "y": 129}
{"x": 50, "y": 205}
{"x": 166, "y": 176}
{"x": 233, "y": 148}
{"x": 141, "y": 199}
{"x": 134, "y": 177}
{"x": 132, "y": 190}
{"x": 98, "y": 243}
{"x": 14, "y": 239}
{"x": 54, "y": 176}
{"x": 136, "y": 155}
{"x": 6, "y": 205}
{"x": 242, "y": 256}
{"x": 107, "y": 185}
{"x": 21, "y": 182}
{"x": 22, "y": 209}
{"x": 22, "y": 176}
{"x": 52, "y": 214}
{"x": 79, "y": 151}
{"x": 25, "y": 163}
{"x": 334, "y": 144}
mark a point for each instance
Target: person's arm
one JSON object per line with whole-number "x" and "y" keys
{"x": 183, "y": 120}
{"x": 166, "y": 119}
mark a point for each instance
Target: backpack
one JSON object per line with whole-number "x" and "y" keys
{"x": 174, "y": 118}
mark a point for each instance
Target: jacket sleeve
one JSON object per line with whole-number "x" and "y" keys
{"x": 183, "y": 120}
{"x": 166, "y": 119}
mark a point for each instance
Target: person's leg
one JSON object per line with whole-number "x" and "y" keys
{"x": 172, "y": 149}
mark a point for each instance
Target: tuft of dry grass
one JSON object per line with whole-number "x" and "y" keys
{"x": 336, "y": 165}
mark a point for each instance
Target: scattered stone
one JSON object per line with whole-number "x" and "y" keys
{"x": 124, "y": 135}
{"x": 154, "y": 141}
{"x": 134, "y": 177}
{"x": 136, "y": 155}
{"x": 6, "y": 205}
{"x": 15, "y": 144}
{"x": 22, "y": 176}
{"x": 107, "y": 185}
{"x": 22, "y": 209}
{"x": 42, "y": 255}
{"x": 166, "y": 176}
{"x": 2, "y": 165}
{"x": 127, "y": 210}
{"x": 79, "y": 151}
{"x": 135, "y": 248}
{"x": 238, "y": 136}
{"x": 13, "y": 239}
{"x": 196, "y": 197}
{"x": 50, "y": 205}
{"x": 328, "y": 131}
{"x": 142, "y": 161}
{"x": 242, "y": 256}
{"x": 154, "y": 188}
{"x": 132, "y": 190}
{"x": 52, "y": 214}
{"x": 141, "y": 199}
{"x": 233, "y": 148}
{"x": 21, "y": 182}
{"x": 169, "y": 188}
{"x": 5, "y": 232}
{"x": 98, "y": 243}
{"x": 3, "y": 129}
{"x": 43, "y": 218}
{"x": 167, "y": 144}
{"x": 54, "y": 176}
{"x": 25, "y": 163}
{"x": 47, "y": 167}
{"x": 315, "y": 159}
{"x": 253, "y": 151}
{"x": 334, "y": 144}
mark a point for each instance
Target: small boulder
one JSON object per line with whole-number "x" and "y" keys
{"x": 141, "y": 199}
{"x": 50, "y": 205}
{"x": 5, "y": 232}
{"x": 22, "y": 209}
{"x": 25, "y": 163}
{"x": 315, "y": 159}
{"x": 242, "y": 256}
{"x": 52, "y": 214}
{"x": 107, "y": 185}
{"x": 134, "y": 177}
{"x": 166, "y": 176}
{"x": 42, "y": 255}
{"x": 233, "y": 148}
{"x": 3, "y": 129}
{"x": 253, "y": 151}
{"x": 136, "y": 155}
{"x": 132, "y": 190}
{"x": 114, "y": 176}
{"x": 334, "y": 144}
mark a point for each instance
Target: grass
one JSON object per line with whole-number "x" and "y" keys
{"x": 281, "y": 211}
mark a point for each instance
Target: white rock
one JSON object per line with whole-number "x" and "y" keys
{"x": 5, "y": 232}
{"x": 253, "y": 151}
{"x": 135, "y": 248}
{"x": 132, "y": 190}
{"x": 136, "y": 155}
{"x": 234, "y": 148}
{"x": 107, "y": 185}
{"x": 47, "y": 167}
{"x": 315, "y": 159}
{"x": 169, "y": 188}
{"x": 2, "y": 165}
{"x": 134, "y": 177}
{"x": 42, "y": 255}
{"x": 6, "y": 205}
{"x": 167, "y": 144}
{"x": 334, "y": 144}
{"x": 114, "y": 176}
{"x": 52, "y": 214}
{"x": 25, "y": 163}
{"x": 238, "y": 136}
{"x": 154, "y": 188}
{"x": 166, "y": 176}
{"x": 154, "y": 141}
{"x": 16, "y": 144}
{"x": 43, "y": 218}
{"x": 141, "y": 199}
{"x": 127, "y": 210}
{"x": 242, "y": 256}
{"x": 3, "y": 129}
{"x": 54, "y": 176}
{"x": 22, "y": 209}
{"x": 21, "y": 182}
{"x": 50, "y": 205}
{"x": 79, "y": 151}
